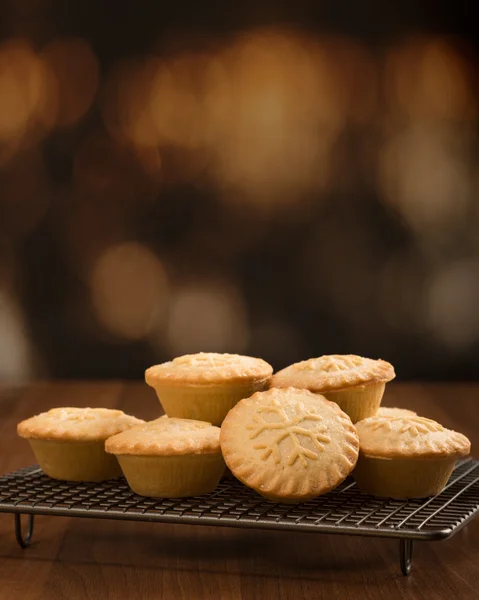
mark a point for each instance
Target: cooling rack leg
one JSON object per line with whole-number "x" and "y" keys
{"x": 23, "y": 540}
{"x": 405, "y": 555}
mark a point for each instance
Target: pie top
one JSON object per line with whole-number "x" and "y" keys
{"x": 76, "y": 424}
{"x": 167, "y": 437}
{"x": 289, "y": 444}
{"x": 334, "y": 372}
{"x": 409, "y": 437}
{"x": 208, "y": 368}
{"x": 386, "y": 411}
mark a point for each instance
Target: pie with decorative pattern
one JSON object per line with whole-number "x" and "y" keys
{"x": 76, "y": 424}
{"x": 69, "y": 443}
{"x": 354, "y": 382}
{"x": 205, "y": 386}
{"x": 166, "y": 437}
{"x": 386, "y": 411}
{"x": 408, "y": 437}
{"x": 206, "y": 368}
{"x": 170, "y": 457}
{"x": 334, "y": 372}
{"x": 406, "y": 456}
{"x": 289, "y": 445}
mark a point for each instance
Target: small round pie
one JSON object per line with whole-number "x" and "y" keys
{"x": 355, "y": 383}
{"x": 170, "y": 458}
{"x": 289, "y": 445}
{"x": 68, "y": 443}
{"x": 386, "y": 411}
{"x": 206, "y": 386}
{"x": 406, "y": 457}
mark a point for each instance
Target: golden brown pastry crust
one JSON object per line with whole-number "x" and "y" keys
{"x": 208, "y": 369}
{"x": 386, "y": 411}
{"x": 167, "y": 437}
{"x": 333, "y": 373}
{"x": 409, "y": 437}
{"x": 289, "y": 444}
{"x": 76, "y": 424}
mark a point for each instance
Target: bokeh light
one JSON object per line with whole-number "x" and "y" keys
{"x": 424, "y": 176}
{"x": 75, "y": 71}
{"x": 355, "y": 79}
{"x": 126, "y": 108}
{"x": 427, "y": 78}
{"x": 276, "y": 116}
{"x": 176, "y": 102}
{"x": 261, "y": 112}
{"x": 129, "y": 291}
{"x": 23, "y": 88}
{"x": 307, "y": 192}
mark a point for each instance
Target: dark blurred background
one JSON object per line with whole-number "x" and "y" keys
{"x": 281, "y": 179}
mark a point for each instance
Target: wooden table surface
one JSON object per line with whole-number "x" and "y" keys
{"x": 87, "y": 558}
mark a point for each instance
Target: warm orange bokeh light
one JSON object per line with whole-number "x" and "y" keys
{"x": 426, "y": 158}
{"x": 76, "y": 73}
{"x": 427, "y": 78}
{"x": 274, "y": 115}
{"x": 355, "y": 79}
{"x": 177, "y": 104}
{"x": 129, "y": 290}
{"x": 423, "y": 176}
{"x": 23, "y": 87}
{"x": 126, "y": 107}
{"x": 260, "y": 114}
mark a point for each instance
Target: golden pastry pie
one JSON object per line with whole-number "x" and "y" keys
{"x": 406, "y": 457}
{"x": 205, "y": 386}
{"x": 289, "y": 445}
{"x": 355, "y": 383}
{"x": 386, "y": 411}
{"x": 68, "y": 443}
{"x": 170, "y": 458}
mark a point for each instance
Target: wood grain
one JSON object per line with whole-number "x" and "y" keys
{"x": 82, "y": 558}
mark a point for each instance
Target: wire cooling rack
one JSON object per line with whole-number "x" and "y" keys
{"x": 344, "y": 511}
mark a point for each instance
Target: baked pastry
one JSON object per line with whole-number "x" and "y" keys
{"x": 355, "y": 383}
{"x": 170, "y": 458}
{"x": 289, "y": 445}
{"x": 68, "y": 443}
{"x": 386, "y": 411}
{"x": 205, "y": 386}
{"x": 406, "y": 457}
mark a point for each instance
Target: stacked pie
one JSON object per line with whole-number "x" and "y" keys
{"x": 291, "y": 436}
{"x": 355, "y": 383}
